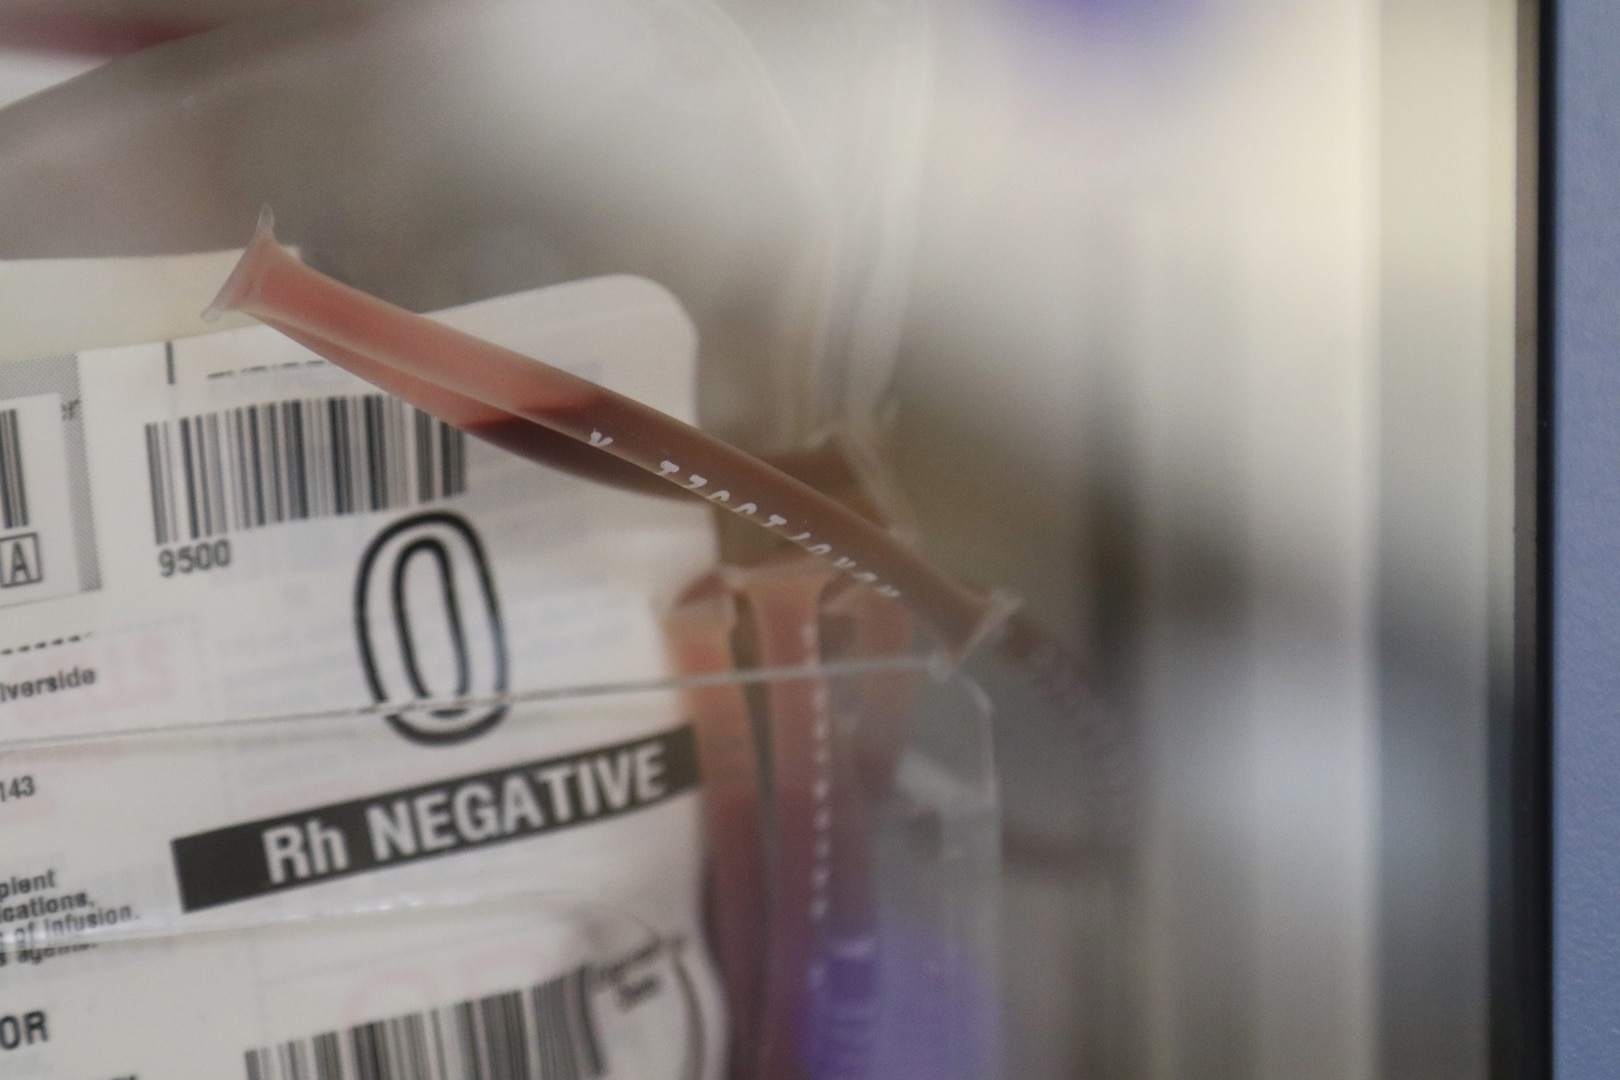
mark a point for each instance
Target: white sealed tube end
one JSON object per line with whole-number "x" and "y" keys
{"x": 244, "y": 278}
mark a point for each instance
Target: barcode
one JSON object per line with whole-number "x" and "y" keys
{"x": 544, "y": 1033}
{"x": 295, "y": 460}
{"x": 13, "y": 492}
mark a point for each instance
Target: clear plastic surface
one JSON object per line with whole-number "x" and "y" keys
{"x": 547, "y": 926}
{"x": 799, "y": 820}
{"x": 437, "y": 153}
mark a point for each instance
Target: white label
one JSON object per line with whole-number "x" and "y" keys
{"x": 244, "y": 833}
{"x": 37, "y": 555}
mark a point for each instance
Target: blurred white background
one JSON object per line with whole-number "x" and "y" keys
{"x": 1210, "y": 357}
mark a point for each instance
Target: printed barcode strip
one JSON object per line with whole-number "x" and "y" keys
{"x": 13, "y": 492}
{"x": 295, "y": 460}
{"x": 546, "y": 1033}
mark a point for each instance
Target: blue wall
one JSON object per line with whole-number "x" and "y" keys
{"x": 1585, "y": 594}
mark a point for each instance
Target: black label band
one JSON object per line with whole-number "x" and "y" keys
{"x": 259, "y": 857}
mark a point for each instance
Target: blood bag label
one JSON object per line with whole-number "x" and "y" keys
{"x": 286, "y": 727}
{"x": 364, "y": 835}
{"x": 490, "y": 1035}
{"x": 273, "y": 462}
{"x": 387, "y": 629}
{"x": 37, "y": 557}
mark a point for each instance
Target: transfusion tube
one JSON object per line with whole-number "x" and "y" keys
{"x": 831, "y": 755}
{"x": 344, "y": 324}
{"x": 870, "y": 726}
{"x": 785, "y": 602}
{"x": 699, "y": 633}
{"x": 809, "y": 1007}
{"x": 496, "y": 426}
{"x": 550, "y": 415}
{"x": 872, "y": 626}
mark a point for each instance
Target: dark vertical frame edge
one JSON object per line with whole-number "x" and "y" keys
{"x": 1521, "y": 736}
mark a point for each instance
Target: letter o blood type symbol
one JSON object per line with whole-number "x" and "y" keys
{"x": 429, "y": 628}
